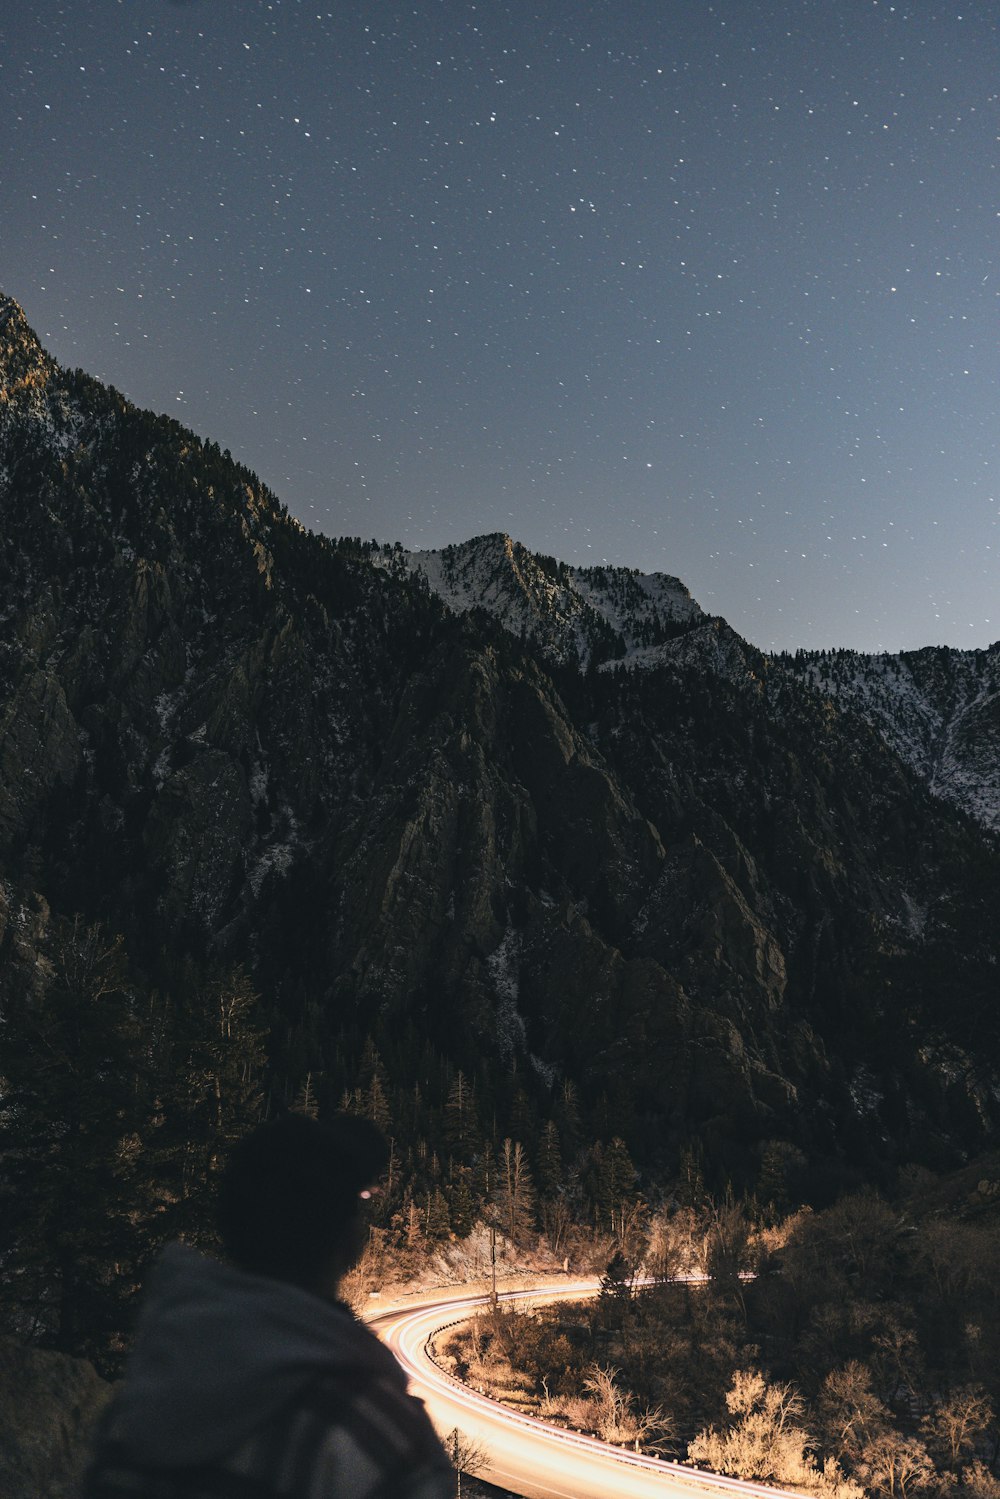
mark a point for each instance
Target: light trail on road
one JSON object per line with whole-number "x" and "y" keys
{"x": 528, "y": 1455}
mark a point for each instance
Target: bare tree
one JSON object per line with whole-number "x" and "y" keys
{"x": 728, "y": 1250}
{"x": 765, "y": 1440}
{"x": 612, "y": 1403}
{"x": 305, "y": 1099}
{"x": 673, "y": 1246}
{"x": 956, "y": 1421}
{"x": 897, "y": 1357}
{"x": 618, "y": 1420}
{"x": 468, "y": 1457}
{"x": 851, "y": 1414}
{"x": 896, "y": 1466}
{"x": 979, "y": 1483}
{"x": 557, "y": 1219}
{"x": 953, "y": 1253}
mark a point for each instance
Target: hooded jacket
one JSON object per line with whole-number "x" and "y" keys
{"x": 244, "y": 1387}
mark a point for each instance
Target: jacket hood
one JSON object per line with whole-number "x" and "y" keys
{"x": 218, "y": 1352}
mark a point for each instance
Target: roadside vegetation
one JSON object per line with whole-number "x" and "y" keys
{"x": 847, "y": 1352}
{"x": 851, "y": 1346}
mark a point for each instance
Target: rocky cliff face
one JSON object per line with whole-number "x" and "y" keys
{"x": 549, "y": 824}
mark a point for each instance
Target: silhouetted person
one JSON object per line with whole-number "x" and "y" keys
{"x": 250, "y": 1380}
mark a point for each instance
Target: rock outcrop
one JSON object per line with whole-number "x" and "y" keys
{"x": 49, "y": 1406}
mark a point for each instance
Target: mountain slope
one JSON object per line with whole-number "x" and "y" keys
{"x": 939, "y": 708}
{"x": 573, "y": 615}
{"x": 687, "y": 884}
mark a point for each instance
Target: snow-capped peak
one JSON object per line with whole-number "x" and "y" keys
{"x": 572, "y": 613}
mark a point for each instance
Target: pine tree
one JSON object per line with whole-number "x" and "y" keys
{"x": 375, "y": 1105}
{"x": 461, "y": 1205}
{"x": 438, "y": 1220}
{"x": 461, "y": 1123}
{"x": 216, "y": 1093}
{"x": 73, "y": 1115}
{"x": 691, "y": 1178}
{"x": 617, "y": 1185}
{"x": 373, "y": 1087}
{"x": 515, "y": 1197}
{"x": 550, "y": 1164}
{"x": 523, "y": 1121}
{"x": 567, "y": 1117}
{"x": 305, "y": 1099}
{"x": 414, "y": 1225}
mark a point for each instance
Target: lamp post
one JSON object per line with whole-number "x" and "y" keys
{"x": 493, "y": 1264}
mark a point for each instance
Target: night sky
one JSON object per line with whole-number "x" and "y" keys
{"x": 711, "y": 289}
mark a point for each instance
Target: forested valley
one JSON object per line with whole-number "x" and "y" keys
{"x": 844, "y": 1352}
{"x": 843, "y": 1349}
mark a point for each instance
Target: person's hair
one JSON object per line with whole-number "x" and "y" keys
{"x": 289, "y": 1196}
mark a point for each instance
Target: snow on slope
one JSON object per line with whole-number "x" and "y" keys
{"x": 582, "y": 614}
{"x": 938, "y": 708}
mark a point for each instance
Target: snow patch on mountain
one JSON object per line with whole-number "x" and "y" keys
{"x": 504, "y": 965}
{"x": 574, "y": 615}
{"x": 710, "y": 646}
{"x": 277, "y": 856}
{"x": 938, "y": 708}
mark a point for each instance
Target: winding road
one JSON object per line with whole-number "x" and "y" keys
{"x": 527, "y": 1455}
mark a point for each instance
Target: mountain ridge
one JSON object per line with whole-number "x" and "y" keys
{"x": 672, "y": 874}
{"x": 935, "y": 706}
{"x": 579, "y": 615}
{"x": 620, "y": 618}
{"x": 938, "y": 707}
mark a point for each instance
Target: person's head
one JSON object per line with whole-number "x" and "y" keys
{"x": 290, "y": 1203}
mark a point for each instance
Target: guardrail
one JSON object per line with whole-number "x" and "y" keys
{"x": 606, "y": 1451}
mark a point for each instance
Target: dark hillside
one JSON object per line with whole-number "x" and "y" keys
{"x": 689, "y": 904}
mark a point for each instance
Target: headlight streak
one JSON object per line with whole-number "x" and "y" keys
{"x": 411, "y": 1333}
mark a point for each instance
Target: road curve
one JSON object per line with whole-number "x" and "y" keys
{"x": 527, "y": 1455}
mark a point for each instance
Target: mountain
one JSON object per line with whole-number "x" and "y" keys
{"x": 939, "y": 708}
{"x": 571, "y": 615}
{"x": 479, "y": 812}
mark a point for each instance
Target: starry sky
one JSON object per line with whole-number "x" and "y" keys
{"x": 704, "y": 288}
